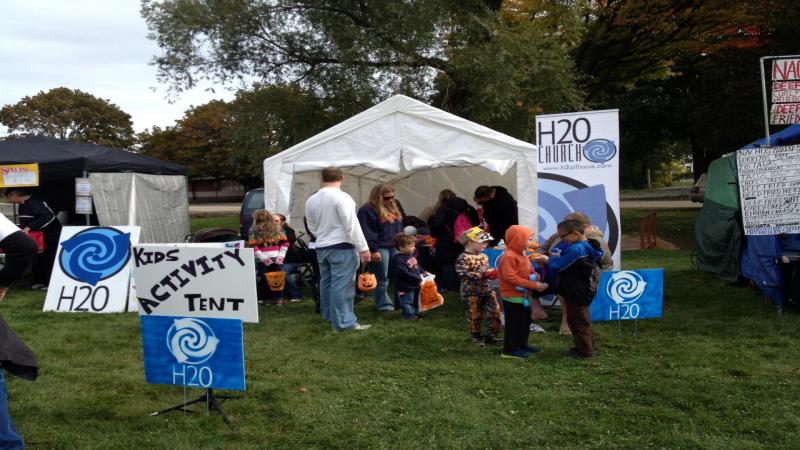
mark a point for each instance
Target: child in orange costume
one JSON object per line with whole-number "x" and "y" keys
{"x": 513, "y": 270}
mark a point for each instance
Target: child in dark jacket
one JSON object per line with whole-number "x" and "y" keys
{"x": 406, "y": 273}
{"x": 578, "y": 267}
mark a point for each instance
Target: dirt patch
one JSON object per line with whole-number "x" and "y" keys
{"x": 631, "y": 242}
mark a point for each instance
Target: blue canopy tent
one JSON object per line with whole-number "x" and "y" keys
{"x": 760, "y": 254}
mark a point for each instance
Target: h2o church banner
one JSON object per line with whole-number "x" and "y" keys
{"x": 578, "y": 170}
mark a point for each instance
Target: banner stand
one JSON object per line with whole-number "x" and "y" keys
{"x": 209, "y": 398}
{"x": 635, "y": 328}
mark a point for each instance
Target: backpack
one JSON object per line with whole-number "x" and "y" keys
{"x": 461, "y": 225}
{"x": 595, "y": 269}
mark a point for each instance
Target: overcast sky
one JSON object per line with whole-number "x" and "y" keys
{"x": 97, "y": 46}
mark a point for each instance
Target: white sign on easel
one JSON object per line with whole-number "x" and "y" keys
{"x": 133, "y": 302}
{"x": 195, "y": 281}
{"x": 92, "y": 270}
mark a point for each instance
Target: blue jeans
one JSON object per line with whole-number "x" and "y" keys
{"x": 381, "y": 271}
{"x": 337, "y": 286}
{"x": 9, "y": 437}
{"x": 408, "y": 302}
{"x": 291, "y": 290}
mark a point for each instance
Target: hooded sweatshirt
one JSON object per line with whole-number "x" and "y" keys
{"x": 594, "y": 234}
{"x": 514, "y": 268}
{"x": 575, "y": 266}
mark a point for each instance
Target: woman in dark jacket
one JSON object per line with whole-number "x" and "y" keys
{"x": 447, "y": 247}
{"x": 381, "y": 219}
{"x": 36, "y": 215}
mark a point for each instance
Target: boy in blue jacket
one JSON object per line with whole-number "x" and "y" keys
{"x": 578, "y": 269}
{"x": 406, "y": 274}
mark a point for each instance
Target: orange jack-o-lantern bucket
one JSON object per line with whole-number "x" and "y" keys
{"x": 275, "y": 280}
{"x": 367, "y": 282}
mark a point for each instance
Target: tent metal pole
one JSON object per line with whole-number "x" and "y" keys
{"x": 764, "y": 97}
{"x": 88, "y": 216}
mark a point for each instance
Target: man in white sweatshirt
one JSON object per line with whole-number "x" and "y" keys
{"x": 331, "y": 217}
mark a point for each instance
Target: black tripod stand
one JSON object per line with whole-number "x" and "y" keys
{"x": 212, "y": 403}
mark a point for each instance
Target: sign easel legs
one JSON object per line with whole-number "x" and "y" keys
{"x": 212, "y": 403}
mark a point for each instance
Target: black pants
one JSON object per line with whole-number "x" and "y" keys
{"x": 43, "y": 265}
{"x": 518, "y": 326}
{"x": 20, "y": 251}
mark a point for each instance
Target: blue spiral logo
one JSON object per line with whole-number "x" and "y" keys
{"x": 625, "y": 287}
{"x": 95, "y": 254}
{"x": 191, "y": 341}
{"x": 599, "y": 150}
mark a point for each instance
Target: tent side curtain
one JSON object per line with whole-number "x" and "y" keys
{"x": 158, "y": 203}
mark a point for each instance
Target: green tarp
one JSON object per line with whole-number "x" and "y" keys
{"x": 721, "y": 185}
{"x": 718, "y": 229}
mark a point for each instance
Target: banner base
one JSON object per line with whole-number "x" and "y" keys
{"x": 211, "y": 400}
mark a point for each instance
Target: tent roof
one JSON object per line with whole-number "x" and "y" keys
{"x": 787, "y": 136}
{"x": 428, "y": 137}
{"x": 63, "y": 159}
{"x": 401, "y": 141}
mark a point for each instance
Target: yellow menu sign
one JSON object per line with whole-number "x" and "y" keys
{"x": 17, "y": 175}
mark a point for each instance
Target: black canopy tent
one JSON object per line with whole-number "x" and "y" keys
{"x": 62, "y": 161}
{"x": 66, "y": 160}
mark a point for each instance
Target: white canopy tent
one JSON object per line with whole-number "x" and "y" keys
{"x": 415, "y": 147}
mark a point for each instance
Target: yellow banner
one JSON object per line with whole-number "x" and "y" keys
{"x": 18, "y": 175}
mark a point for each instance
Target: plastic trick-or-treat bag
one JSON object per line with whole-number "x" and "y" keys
{"x": 429, "y": 296}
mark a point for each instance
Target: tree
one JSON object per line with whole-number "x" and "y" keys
{"x": 69, "y": 114}
{"x": 200, "y": 141}
{"x": 683, "y": 73}
{"x": 268, "y": 120}
{"x": 466, "y": 55}
{"x": 230, "y": 140}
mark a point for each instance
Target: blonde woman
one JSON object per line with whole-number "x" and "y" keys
{"x": 381, "y": 218}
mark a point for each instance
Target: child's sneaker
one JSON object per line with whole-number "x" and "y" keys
{"x": 536, "y": 328}
{"x": 493, "y": 340}
{"x": 530, "y": 349}
{"x": 477, "y": 340}
{"x": 516, "y": 354}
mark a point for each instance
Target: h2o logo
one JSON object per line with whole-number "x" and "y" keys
{"x": 625, "y": 287}
{"x": 564, "y": 131}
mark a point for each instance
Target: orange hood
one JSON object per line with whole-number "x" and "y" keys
{"x": 517, "y": 238}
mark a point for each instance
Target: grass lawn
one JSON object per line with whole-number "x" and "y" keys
{"x": 718, "y": 371}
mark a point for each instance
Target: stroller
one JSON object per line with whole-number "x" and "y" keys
{"x": 308, "y": 267}
{"x": 214, "y": 234}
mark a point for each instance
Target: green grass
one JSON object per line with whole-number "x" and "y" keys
{"x": 718, "y": 371}
{"x": 223, "y": 221}
{"x": 673, "y": 225}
